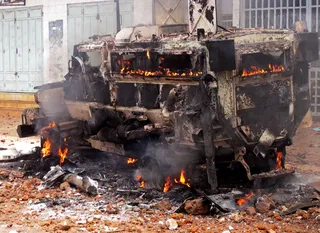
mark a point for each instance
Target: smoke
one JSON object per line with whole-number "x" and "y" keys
{"x": 160, "y": 161}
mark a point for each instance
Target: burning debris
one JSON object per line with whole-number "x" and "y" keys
{"x": 256, "y": 70}
{"x": 182, "y": 179}
{"x": 141, "y": 181}
{"x": 167, "y": 185}
{"x": 49, "y": 145}
{"x": 245, "y": 200}
{"x": 131, "y": 161}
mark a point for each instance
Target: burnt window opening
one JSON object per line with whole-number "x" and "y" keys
{"x": 259, "y": 63}
{"x": 155, "y": 64}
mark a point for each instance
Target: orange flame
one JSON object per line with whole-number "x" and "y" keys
{"x": 167, "y": 185}
{"x": 165, "y": 72}
{"x": 182, "y": 179}
{"x": 51, "y": 125}
{"x": 279, "y": 161}
{"x": 256, "y": 70}
{"x": 139, "y": 179}
{"x": 131, "y": 161}
{"x": 46, "y": 148}
{"x": 62, "y": 154}
{"x": 148, "y": 54}
{"x": 244, "y": 200}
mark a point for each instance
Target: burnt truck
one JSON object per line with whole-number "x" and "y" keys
{"x": 175, "y": 95}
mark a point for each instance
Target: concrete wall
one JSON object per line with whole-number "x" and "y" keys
{"x": 56, "y": 58}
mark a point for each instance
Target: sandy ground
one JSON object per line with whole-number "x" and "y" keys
{"x": 25, "y": 208}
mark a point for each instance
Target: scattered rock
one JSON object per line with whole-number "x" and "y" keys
{"x": 251, "y": 211}
{"x": 318, "y": 218}
{"x": 264, "y": 204}
{"x": 81, "y": 222}
{"x": 63, "y": 227}
{"x": 222, "y": 219}
{"x": 17, "y": 174}
{"x": 177, "y": 216}
{"x": 30, "y": 184}
{"x": 4, "y": 174}
{"x": 197, "y": 207}
{"x": 136, "y": 209}
{"x": 237, "y": 218}
{"x": 110, "y": 209}
{"x": 277, "y": 216}
{"x": 171, "y": 224}
{"x": 262, "y": 227}
{"x": 164, "y": 205}
{"x": 90, "y": 220}
{"x": 283, "y": 208}
{"x": 304, "y": 214}
{"x": 65, "y": 186}
{"x": 226, "y": 231}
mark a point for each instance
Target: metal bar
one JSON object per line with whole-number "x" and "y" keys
{"x": 118, "y": 15}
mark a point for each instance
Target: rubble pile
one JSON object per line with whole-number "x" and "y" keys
{"x": 79, "y": 199}
{"x": 41, "y": 195}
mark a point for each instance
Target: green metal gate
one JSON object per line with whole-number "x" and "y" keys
{"x": 97, "y": 18}
{"x": 21, "y": 49}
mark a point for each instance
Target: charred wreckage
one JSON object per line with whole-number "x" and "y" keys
{"x": 180, "y": 99}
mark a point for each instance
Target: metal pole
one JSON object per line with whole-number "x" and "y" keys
{"x": 118, "y": 15}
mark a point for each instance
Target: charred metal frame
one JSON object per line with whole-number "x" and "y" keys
{"x": 129, "y": 101}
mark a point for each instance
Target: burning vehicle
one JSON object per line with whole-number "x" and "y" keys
{"x": 176, "y": 96}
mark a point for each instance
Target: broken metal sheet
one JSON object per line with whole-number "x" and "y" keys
{"x": 265, "y": 142}
{"x": 109, "y": 147}
{"x": 300, "y": 206}
{"x": 54, "y": 175}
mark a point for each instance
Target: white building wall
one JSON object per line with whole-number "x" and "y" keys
{"x": 236, "y": 13}
{"x": 143, "y": 12}
{"x": 57, "y": 10}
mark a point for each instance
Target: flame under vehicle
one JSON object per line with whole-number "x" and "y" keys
{"x": 162, "y": 96}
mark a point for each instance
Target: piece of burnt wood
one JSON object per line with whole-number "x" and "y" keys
{"x": 300, "y": 206}
{"x": 140, "y": 133}
{"x": 208, "y": 113}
